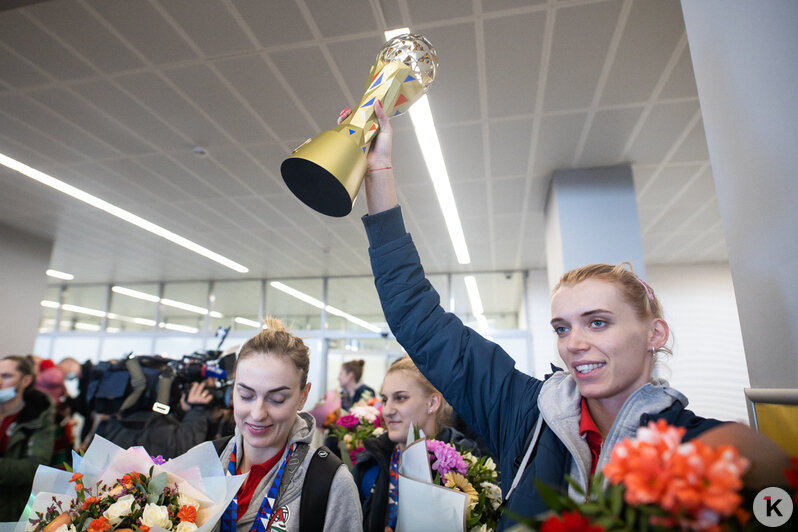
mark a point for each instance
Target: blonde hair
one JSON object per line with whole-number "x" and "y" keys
{"x": 443, "y": 416}
{"x": 634, "y": 291}
{"x": 276, "y": 341}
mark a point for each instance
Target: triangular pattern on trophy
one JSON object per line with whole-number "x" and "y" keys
{"x": 409, "y": 78}
{"x": 377, "y": 82}
{"x": 370, "y": 102}
{"x": 400, "y": 100}
{"x": 351, "y": 131}
{"x": 373, "y": 127}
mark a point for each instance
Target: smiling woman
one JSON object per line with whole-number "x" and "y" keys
{"x": 272, "y": 440}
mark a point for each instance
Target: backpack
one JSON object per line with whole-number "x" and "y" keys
{"x": 315, "y": 488}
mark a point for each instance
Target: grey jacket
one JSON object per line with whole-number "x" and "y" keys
{"x": 560, "y": 404}
{"x": 343, "y": 505}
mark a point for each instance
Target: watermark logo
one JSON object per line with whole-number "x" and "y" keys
{"x": 772, "y": 507}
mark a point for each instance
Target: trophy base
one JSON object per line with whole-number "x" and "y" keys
{"x": 325, "y": 173}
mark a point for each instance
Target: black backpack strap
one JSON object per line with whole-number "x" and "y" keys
{"x": 220, "y": 443}
{"x": 316, "y": 489}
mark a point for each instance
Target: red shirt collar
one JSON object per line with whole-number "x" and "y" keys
{"x": 589, "y": 431}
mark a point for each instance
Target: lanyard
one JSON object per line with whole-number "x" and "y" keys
{"x": 265, "y": 511}
{"x": 393, "y": 490}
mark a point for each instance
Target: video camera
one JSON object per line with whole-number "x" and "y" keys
{"x": 199, "y": 366}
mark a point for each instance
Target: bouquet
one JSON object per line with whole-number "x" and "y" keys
{"x": 363, "y": 421}
{"x": 463, "y": 489}
{"x": 476, "y": 477}
{"x": 113, "y": 489}
{"x": 655, "y": 482}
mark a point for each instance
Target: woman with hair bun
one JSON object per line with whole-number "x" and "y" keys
{"x": 272, "y": 441}
{"x": 352, "y": 390}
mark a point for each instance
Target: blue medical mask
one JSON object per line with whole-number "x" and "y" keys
{"x": 72, "y": 386}
{"x": 6, "y": 394}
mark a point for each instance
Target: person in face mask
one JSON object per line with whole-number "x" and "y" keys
{"x": 26, "y": 433}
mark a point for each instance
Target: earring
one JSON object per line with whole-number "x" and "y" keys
{"x": 429, "y": 411}
{"x": 653, "y": 352}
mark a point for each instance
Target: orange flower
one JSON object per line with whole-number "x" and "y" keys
{"x": 131, "y": 478}
{"x": 76, "y": 478}
{"x": 144, "y": 528}
{"x": 99, "y": 525}
{"x": 88, "y": 502}
{"x": 187, "y": 513}
{"x": 373, "y": 401}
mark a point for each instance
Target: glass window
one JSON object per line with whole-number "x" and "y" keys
{"x": 184, "y": 307}
{"x": 133, "y": 307}
{"x": 48, "y": 309}
{"x": 83, "y": 308}
{"x": 236, "y": 304}
{"x": 502, "y": 297}
{"x": 295, "y": 302}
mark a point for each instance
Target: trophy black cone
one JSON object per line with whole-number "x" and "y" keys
{"x": 316, "y": 187}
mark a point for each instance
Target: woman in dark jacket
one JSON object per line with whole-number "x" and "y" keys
{"x": 408, "y": 399}
{"x": 27, "y": 430}
{"x": 609, "y": 326}
{"x": 352, "y": 390}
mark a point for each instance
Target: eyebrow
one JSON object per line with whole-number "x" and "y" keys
{"x": 268, "y": 392}
{"x": 584, "y": 315}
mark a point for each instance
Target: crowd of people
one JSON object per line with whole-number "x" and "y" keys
{"x": 454, "y": 385}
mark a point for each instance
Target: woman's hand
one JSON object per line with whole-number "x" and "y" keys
{"x": 380, "y": 186}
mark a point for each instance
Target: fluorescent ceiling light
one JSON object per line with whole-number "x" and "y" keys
{"x": 135, "y": 293}
{"x": 424, "y": 125}
{"x": 59, "y": 275}
{"x": 168, "y": 302}
{"x": 473, "y": 295}
{"x": 421, "y": 116}
{"x": 390, "y": 34}
{"x": 320, "y": 305}
{"x": 127, "y": 216}
{"x": 176, "y": 327}
{"x": 245, "y": 321}
{"x": 80, "y": 326}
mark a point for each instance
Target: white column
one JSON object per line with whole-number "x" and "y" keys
{"x": 591, "y": 217}
{"x": 745, "y": 57}
{"x": 23, "y": 261}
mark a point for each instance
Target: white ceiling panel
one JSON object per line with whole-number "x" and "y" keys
{"x": 142, "y": 27}
{"x": 512, "y": 62}
{"x": 582, "y": 37}
{"x": 661, "y": 130}
{"x": 649, "y": 38}
{"x": 78, "y": 30}
{"x": 112, "y": 96}
{"x": 509, "y": 147}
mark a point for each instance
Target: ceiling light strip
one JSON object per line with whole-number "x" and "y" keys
{"x": 421, "y": 116}
{"x": 164, "y": 301}
{"x": 320, "y": 305}
{"x": 473, "y": 295}
{"x": 59, "y": 275}
{"x": 127, "y": 216}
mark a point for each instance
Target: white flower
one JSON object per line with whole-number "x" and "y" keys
{"x": 493, "y": 493}
{"x": 118, "y": 510}
{"x": 369, "y": 413}
{"x": 66, "y": 528}
{"x": 490, "y": 464}
{"x": 155, "y": 515}
{"x": 379, "y": 431}
{"x": 185, "y": 500}
{"x": 185, "y": 526}
{"x": 483, "y": 528}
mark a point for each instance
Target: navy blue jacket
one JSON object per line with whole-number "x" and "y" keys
{"x": 476, "y": 376}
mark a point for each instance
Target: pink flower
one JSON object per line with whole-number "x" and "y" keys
{"x": 446, "y": 458}
{"x": 348, "y": 421}
{"x": 353, "y": 454}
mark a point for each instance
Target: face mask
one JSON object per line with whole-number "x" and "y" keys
{"x": 228, "y": 396}
{"x": 6, "y": 394}
{"x": 72, "y": 387}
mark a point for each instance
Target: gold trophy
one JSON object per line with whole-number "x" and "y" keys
{"x": 326, "y": 171}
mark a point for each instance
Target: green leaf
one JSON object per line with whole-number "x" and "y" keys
{"x": 616, "y": 500}
{"x": 575, "y": 485}
{"x": 155, "y": 487}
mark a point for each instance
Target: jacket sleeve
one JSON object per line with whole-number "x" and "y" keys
{"x": 19, "y": 471}
{"x": 343, "y": 504}
{"x": 476, "y": 376}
